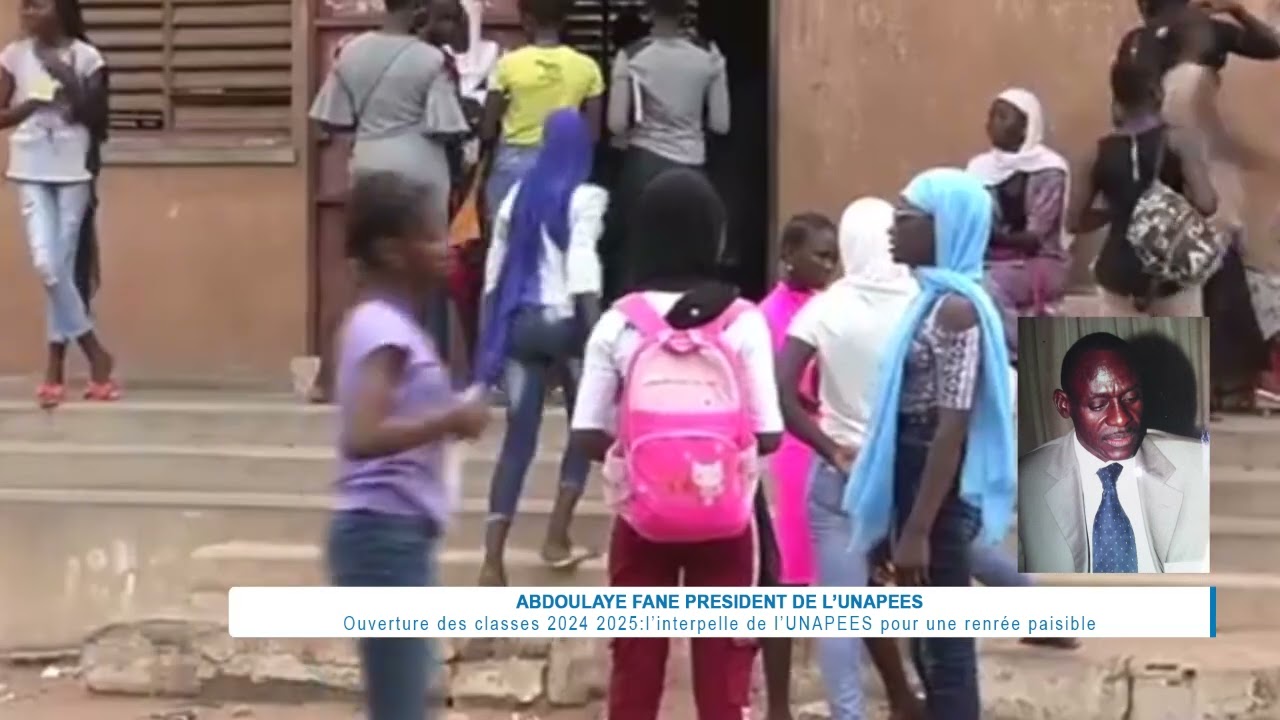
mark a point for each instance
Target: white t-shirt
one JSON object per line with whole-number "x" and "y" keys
{"x": 613, "y": 342}
{"x": 47, "y": 147}
{"x": 848, "y": 328}
{"x": 565, "y": 274}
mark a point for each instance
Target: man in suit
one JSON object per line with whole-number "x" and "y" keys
{"x": 1111, "y": 496}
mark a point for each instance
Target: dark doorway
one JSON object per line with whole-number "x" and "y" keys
{"x": 739, "y": 163}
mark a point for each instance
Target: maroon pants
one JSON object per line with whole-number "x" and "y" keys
{"x": 721, "y": 666}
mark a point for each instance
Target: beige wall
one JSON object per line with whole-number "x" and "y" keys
{"x": 872, "y": 91}
{"x": 205, "y": 271}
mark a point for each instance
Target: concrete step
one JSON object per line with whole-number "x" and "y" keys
{"x": 1244, "y": 493}
{"x": 217, "y": 568}
{"x": 189, "y": 519}
{"x": 1248, "y": 545}
{"x": 86, "y": 557}
{"x": 1246, "y": 601}
{"x": 1245, "y": 442}
{"x": 226, "y": 468}
{"x": 244, "y": 421}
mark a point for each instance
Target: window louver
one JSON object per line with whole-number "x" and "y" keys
{"x": 196, "y": 65}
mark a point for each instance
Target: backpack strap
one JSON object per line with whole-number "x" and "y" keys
{"x": 641, "y": 315}
{"x": 728, "y": 317}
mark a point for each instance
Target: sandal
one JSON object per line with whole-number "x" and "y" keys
{"x": 50, "y": 395}
{"x": 576, "y": 556}
{"x": 107, "y": 391}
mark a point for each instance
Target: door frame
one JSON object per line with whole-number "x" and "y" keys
{"x": 311, "y": 137}
{"x": 771, "y": 137}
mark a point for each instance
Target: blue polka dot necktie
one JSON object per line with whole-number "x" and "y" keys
{"x": 1114, "y": 547}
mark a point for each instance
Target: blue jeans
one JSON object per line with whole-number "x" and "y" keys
{"x": 436, "y": 320}
{"x": 541, "y": 349}
{"x": 948, "y": 667}
{"x": 839, "y": 565}
{"x": 369, "y": 549}
{"x": 510, "y": 164}
{"x": 53, "y": 214}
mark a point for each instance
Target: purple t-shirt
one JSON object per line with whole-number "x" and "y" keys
{"x": 412, "y": 482}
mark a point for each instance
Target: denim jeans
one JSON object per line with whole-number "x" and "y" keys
{"x": 510, "y": 164}
{"x": 948, "y": 667}
{"x": 436, "y": 320}
{"x": 542, "y": 349}
{"x": 53, "y": 214}
{"x": 838, "y": 565}
{"x": 369, "y": 549}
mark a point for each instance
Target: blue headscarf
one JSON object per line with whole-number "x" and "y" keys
{"x": 962, "y": 214}
{"x": 541, "y": 203}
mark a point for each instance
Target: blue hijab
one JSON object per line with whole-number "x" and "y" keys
{"x": 541, "y": 203}
{"x": 962, "y": 214}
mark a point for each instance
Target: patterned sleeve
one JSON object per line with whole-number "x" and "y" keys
{"x": 1046, "y": 200}
{"x": 957, "y": 356}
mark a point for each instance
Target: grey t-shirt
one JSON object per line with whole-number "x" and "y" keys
{"x": 661, "y": 86}
{"x": 47, "y": 147}
{"x": 396, "y": 93}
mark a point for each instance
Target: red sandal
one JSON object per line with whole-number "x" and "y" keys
{"x": 50, "y": 395}
{"x": 107, "y": 391}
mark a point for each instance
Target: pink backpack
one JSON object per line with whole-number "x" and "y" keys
{"x": 685, "y": 465}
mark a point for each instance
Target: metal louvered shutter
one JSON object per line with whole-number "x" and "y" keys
{"x": 591, "y": 25}
{"x": 196, "y": 65}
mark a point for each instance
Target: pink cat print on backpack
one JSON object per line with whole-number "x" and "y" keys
{"x": 685, "y": 465}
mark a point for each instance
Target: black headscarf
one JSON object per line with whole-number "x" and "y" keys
{"x": 679, "y": 226}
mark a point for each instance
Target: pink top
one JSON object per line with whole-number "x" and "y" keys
{"x": 792, "y": 463}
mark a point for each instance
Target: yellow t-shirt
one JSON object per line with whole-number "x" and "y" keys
{"x": 540, "y": 80}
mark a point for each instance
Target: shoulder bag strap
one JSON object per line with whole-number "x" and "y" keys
{"x": 364, "y": 104}
{"x": 1161, "y": 148}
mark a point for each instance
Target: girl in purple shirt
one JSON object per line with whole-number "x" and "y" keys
{"x": 397, "y": 419}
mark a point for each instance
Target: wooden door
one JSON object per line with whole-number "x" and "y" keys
{"x": 333, "y": 23}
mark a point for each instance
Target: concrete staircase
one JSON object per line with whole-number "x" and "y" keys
{"x": 134, "y": 508}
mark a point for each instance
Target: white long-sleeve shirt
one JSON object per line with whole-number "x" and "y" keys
{"x": 563, "y": 274}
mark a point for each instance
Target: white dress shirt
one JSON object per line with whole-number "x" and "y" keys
{"x": 1130, "y": 501}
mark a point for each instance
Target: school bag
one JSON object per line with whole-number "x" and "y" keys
{"x": 1173, "y": 242}
{"x": 685, "y": 465}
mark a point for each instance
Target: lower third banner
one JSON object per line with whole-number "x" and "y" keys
{"x": 1083, "y": 612}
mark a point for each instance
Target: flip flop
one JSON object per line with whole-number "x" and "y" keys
{"x": 577, "y": 555}
{"x": 107, "y": 391}
{"x": 50, "y": 396}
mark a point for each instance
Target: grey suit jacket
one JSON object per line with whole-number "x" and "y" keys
{"x": 1174, "y": 488}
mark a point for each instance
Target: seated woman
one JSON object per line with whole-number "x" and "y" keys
{"x": 1027, "y": 261}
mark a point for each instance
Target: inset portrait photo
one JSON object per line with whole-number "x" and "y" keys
{"x": 1113, "y": 445}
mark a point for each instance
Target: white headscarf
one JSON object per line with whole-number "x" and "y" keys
{"x": 995, "y": 165}
{"x": 864, "y": 249}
